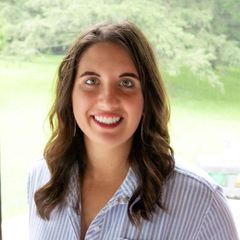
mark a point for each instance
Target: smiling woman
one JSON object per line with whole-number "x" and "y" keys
{"x": 107, "y": 95}
{"x": 108, "y": 170}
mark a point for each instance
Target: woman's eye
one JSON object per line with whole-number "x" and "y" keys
{"x": 91, "y": 81}
{"x": 126, "y": 83}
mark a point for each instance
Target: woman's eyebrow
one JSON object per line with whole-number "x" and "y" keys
{"x": 89, "y": 73}
{"x": 126, "y": 74}
{"x": 129, "y": 74}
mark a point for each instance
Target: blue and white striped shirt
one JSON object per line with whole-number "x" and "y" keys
{"x": 196, "y": 210}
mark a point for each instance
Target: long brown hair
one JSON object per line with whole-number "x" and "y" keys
{"x": 151, "y": 156}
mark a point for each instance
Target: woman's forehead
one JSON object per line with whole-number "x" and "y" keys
{"x": 105, "y": 54}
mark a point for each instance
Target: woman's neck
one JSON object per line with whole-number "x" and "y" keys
{"x": 105, "y": 162}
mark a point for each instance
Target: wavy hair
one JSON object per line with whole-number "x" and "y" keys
{"x": 151, "y": 155}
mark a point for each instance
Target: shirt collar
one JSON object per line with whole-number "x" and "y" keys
{"x": 129, "y": 184}
{"x": 125, "y": 191}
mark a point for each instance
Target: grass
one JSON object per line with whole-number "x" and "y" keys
{"x": 204, "y": 120}
{"x": 189, "y": 91}
{"x": 26, "y": 93}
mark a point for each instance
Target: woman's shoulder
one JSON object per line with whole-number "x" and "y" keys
{"x": 39, "y": 174}
{"x": 196, "y": 199}
{"x": 190, "y": 185}
{"x": 194, "y": 177}
{"x": 39, "y": 167}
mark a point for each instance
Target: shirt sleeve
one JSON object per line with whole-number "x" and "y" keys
{"x": 218, "y": 223}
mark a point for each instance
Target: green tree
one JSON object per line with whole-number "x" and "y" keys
{"x": 3, "y": 32}
{"x": 227, "y": 19}
{"x": 184, "y": 32}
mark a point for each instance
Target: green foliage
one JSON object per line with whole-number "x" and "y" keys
{"x": 2, "y": 32}
{"x": 198, "y": 34}
{"x": 227, "y": 18}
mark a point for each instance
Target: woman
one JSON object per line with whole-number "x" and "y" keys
{"x": 108, "y": 170}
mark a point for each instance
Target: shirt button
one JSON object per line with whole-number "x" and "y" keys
{"x": 123, "y": 200}
{"x": 96, "y": 229}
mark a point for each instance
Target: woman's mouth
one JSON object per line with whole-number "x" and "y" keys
{"x": 107, "y": 121}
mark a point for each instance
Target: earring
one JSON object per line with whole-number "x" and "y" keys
{"x": 141, "y": 129}
{"x": 75, "y": 128}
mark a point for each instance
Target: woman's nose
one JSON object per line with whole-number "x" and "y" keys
{"x": 109, "y": 97}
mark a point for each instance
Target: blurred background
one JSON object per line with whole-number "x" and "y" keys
{"x": 198, "y": 47}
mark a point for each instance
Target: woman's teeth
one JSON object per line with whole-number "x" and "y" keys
{"x": 107, "y": 120}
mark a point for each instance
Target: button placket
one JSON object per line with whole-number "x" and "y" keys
{"x": 96, "y": 228}
{"x": 123, "y": 200}
{"x": 93, "y": 232}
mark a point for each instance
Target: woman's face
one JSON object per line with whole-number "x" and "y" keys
{"x": 107, "y": 97}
